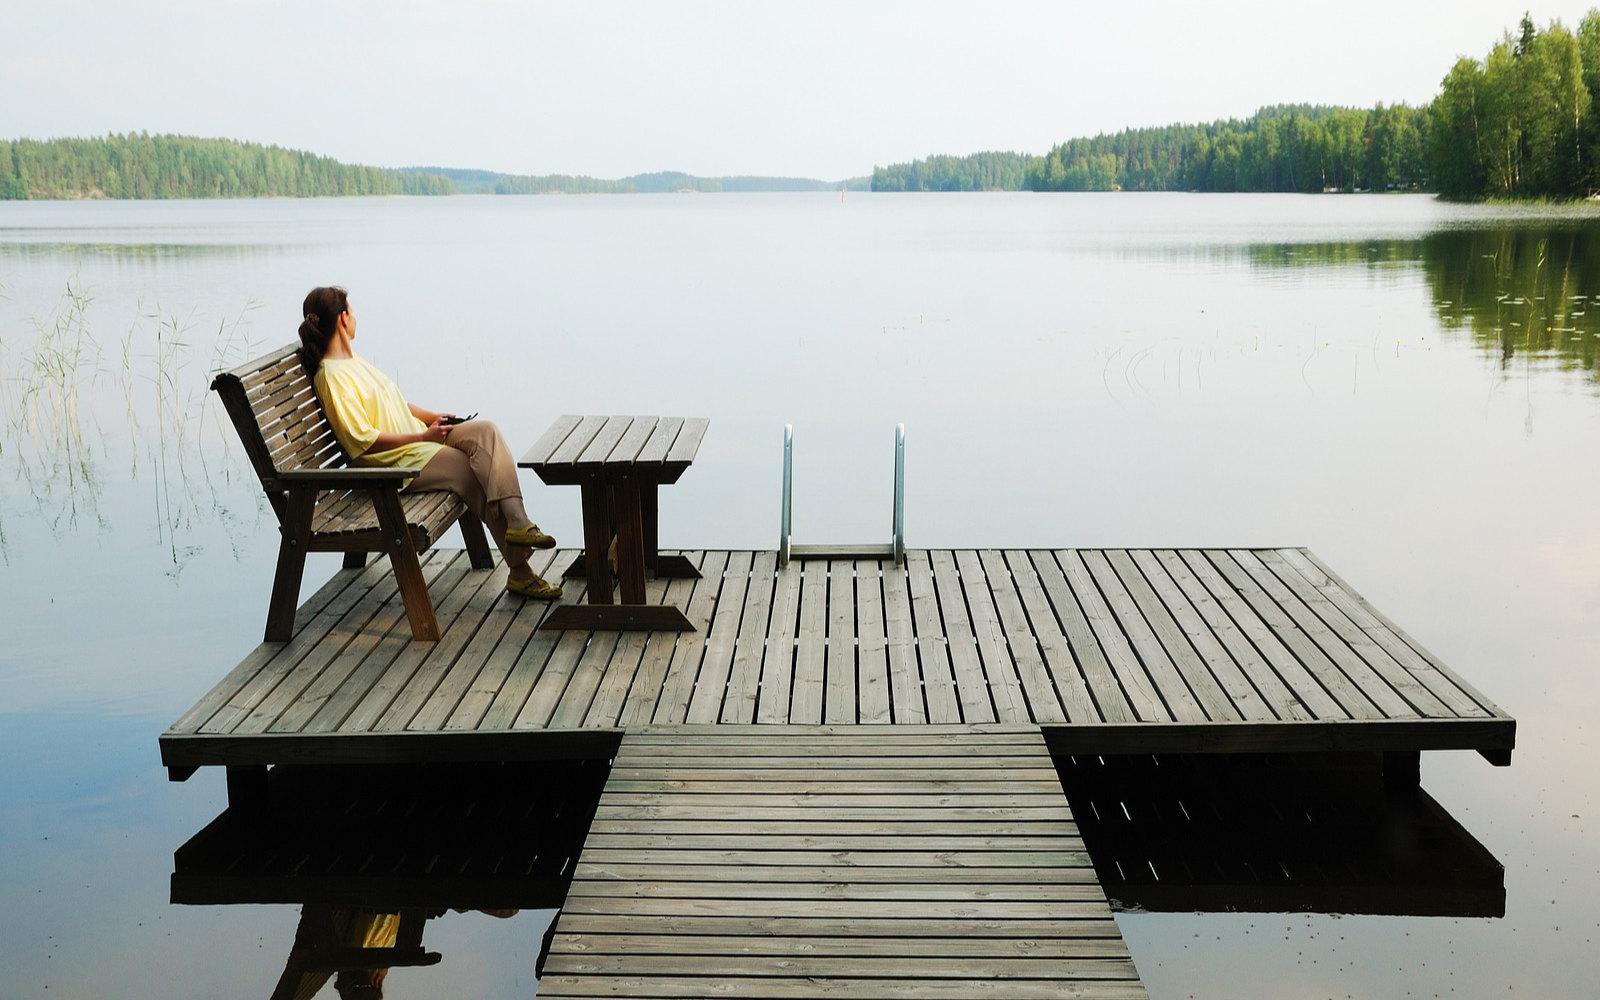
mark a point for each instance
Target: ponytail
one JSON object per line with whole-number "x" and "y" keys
{"x": 321, "y": 309}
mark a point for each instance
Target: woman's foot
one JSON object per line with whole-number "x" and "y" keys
{"x": 531, "y": 536}
{"x": 533, "y": 585}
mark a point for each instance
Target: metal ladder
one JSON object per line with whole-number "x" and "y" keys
{"x": 896, "y": 549}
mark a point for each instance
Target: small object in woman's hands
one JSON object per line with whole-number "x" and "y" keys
{"x": 453, "y": 419}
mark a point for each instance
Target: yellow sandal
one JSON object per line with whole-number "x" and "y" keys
{"x": 535, "y": 586}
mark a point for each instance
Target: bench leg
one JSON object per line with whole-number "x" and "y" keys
{"x": 355, "y": 560}
{"x": 407, "y": 569}
{"x": 476, "y": 541}
{"x": 296, "y": 531}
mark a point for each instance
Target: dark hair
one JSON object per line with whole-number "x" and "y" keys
{"x": 321, "y": 310}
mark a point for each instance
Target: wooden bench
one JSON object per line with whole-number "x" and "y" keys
{"x": 323, "y": 503}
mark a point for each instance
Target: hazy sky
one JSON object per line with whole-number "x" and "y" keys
{"x": 818, "y": 89}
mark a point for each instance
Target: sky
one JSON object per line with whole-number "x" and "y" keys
{"x": 818, "y": 89}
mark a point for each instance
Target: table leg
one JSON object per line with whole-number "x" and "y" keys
{"x": 630, "y": 550}
{"x": 597, "y": 538}
{"x": 656, "y": 565}
{"x": 647, "y": 526}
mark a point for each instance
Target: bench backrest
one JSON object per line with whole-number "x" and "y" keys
{"x": 275, "y": 409}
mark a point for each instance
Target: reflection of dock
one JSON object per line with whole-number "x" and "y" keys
{"x": 1275, "y": 833}
{"x": 844, "y": 668}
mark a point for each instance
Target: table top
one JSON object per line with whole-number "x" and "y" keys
{"x": 575, "y": 446}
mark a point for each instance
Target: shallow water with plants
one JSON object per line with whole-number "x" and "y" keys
{"x": 1408, "y": 388}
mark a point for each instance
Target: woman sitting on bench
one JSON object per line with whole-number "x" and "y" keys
{"x": 378, "y": 427}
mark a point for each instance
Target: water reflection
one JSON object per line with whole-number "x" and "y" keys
{"x": 1274, "y": 834}
{"x": 373, "y": 854}
{"x": 1523, "y": 290}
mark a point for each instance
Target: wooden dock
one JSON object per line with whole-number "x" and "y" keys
{"x": 1107, "y": 651}
{"x": 841, "y": 782}
{"x": 873, "y": 861}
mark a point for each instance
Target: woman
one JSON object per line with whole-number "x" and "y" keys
{"x": 378, "y": 427}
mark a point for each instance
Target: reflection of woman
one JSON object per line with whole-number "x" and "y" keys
{"x": 378, "y": 427}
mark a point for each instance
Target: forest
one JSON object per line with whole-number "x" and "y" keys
{"x": 167, "y": 166}
{"x": 1524, "y": 122}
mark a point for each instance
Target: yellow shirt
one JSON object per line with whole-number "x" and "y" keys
{"x": 361, "y": 403}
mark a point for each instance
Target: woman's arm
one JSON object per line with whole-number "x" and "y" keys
{"x": 435, "y": 431}
{"x": 426, "y": 416}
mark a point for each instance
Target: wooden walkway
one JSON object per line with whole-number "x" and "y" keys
{"x": 742, "y": 861}
{"x": 1108, "y": 651}
{"x": 842, "y": 782}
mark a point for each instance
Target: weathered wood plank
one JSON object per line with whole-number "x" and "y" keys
{"x": 844, "y": 945}
{"x": 645, "y": 695}
{"x": 1161, "y": 639}
{"x": 972, "y": 686}
{"x": 1056, "y": 927}
{"x": 840, "y": 697}
{"x": 322, "y": 612}
{"x": 1110, "y": 703}
{"x": 872, "y": 645}
{"x": 676, "y": 881}
{"x": 749, "y": 648}
{"x": 1309, "y": 659}
{"x": 688, "y": 648}
{"x": 324, "y": 706}
{"x": 811, "y": 651}
{"x": 1004, "y": 685}
{"x": 778, "y": 655}
{"x": 933, "y": 654}
{"x": 1326, "y": 603}
{"x": 1044, "y": 703}
{"x": 554, "y": 987}
{"x": 716, "y": 665}
{"x": 1237, "y": 664}
{"x": 906, "y": 702}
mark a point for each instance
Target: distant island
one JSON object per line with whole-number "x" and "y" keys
{"x": 1523, "y": 123}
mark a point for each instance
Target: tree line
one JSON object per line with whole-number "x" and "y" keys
{"x": 1282, "y": 148}
{"x": 139, "y": 165}
{"x": 1522, "y": 122}
{"x": 171, "y": 166}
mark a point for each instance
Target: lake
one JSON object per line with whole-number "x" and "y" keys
{"x": 1408, "y": 388}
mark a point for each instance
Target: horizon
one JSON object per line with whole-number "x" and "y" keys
{"x": 716, "y": 88}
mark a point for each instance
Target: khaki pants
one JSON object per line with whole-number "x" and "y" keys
{"x": 476, "y": 465}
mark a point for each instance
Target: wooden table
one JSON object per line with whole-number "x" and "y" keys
{"x": 619, "y": 462}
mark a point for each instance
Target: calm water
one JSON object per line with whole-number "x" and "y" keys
{"x": 1408, "y": 388}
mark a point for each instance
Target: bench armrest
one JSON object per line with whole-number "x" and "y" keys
{"x": 349, "y": 477}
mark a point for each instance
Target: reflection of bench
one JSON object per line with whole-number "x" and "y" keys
{"x": 323, "y": 504}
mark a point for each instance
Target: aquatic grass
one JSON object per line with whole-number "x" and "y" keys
{"x": 55, "y": 443}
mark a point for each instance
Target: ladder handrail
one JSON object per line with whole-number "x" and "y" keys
{"x": 897, "y": 544}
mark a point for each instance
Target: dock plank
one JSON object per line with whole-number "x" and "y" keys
{"x": 1106, "y": 650}
{"x": 778, "y": 653}
{"x": 933, "y": 651}
{"x": 1005, "y": 686}
{"x": 749, "y": 647}
{"x": 972, "y": 686}
{"x": 729, "y": 901}
{"x": 840, "y": 694}
{"x": 716, "y": 665}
